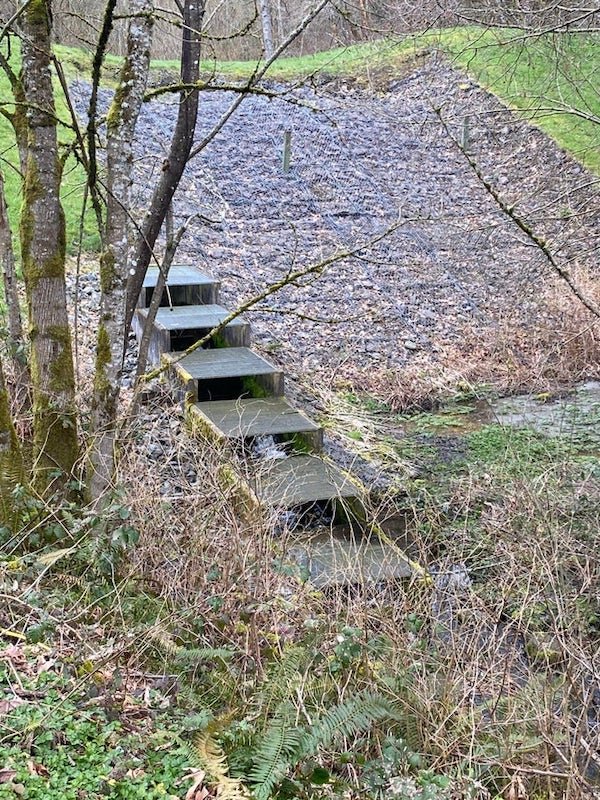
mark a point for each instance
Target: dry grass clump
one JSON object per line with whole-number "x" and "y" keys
{"x": 554, "y": 351}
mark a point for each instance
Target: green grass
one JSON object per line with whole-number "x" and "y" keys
{"x": 552, "y": 80}
{"x": 355, "y": 61}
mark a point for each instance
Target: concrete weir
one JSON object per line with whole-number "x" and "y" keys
{"x": 234, "y": 395}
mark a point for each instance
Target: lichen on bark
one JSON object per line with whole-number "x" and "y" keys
{"x": 117, "y": 235}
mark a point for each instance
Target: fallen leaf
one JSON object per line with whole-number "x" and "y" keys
{"x": 38, "y": 769}
{"x": 197, "y": 790}
{"x": 8, "y": 705}
{"x": 135, "y": 773}
{"x": 6, "y": 775}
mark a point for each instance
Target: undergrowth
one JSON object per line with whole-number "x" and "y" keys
{"x": 172, "y": 650}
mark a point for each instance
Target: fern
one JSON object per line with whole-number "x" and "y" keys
{"x": 283, "y": 745}
{"x": 187, "y": 655}
{"x": 209, "y": 756}
{"x": 281, "y": 680}
{"x": 195, "y": 655}
{"x": 277, "y": 752}
{"x": 350, "y": 718}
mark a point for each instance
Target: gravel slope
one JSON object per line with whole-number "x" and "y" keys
{"x": 361, "y": 163}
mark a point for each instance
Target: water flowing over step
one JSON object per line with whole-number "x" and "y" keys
{"x": 233, "y": 394}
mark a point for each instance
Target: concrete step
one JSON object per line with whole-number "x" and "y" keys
{"x": 176, "y": 329}
{"x": 265, "y": 416}
{"x": 341, "y": 556}
{"x": 187, "y": 287}
{"x": 226, "y": 373}
{"x": 301, "y": 480}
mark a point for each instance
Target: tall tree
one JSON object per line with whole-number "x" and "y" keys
{"x": 267, "y": 27}
{"x": 179, "y": 152}
{"x": 42, "y": 233}
{"x": 117, "y": 257}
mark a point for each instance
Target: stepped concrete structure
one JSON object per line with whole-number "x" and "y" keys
{"x": 236, "y": 396}
{"x": 186, "y": 286}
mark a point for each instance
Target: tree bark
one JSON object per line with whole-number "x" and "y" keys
{"x": 42, "y": 233}
{"x": 16, "y": 338}
{"x": 117, "y": 256}
{"x": 267, "y": 28}
{"x": 181, "y": 146}
{"x": 11, "y": 460}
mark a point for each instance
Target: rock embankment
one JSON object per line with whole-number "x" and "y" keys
{"x": 452, "y": 269}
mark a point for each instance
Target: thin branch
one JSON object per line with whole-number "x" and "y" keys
{"x": 14, "y": 18}
{"x": 258, "y": 74}
{"x": 173, "y": 241}
{"x": 533, "y": 237}
{"x": 107, "y": 25}
{"x": 229, "y": 87}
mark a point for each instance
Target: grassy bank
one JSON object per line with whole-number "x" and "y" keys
{"x": 73, "y": 183}
{"x": 551, "y": 80}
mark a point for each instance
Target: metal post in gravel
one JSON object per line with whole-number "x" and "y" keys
{"x": 287, "y": 150}
{"x": 465, "y": 143}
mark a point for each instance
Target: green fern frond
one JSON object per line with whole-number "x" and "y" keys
{"x": 283, "y": 745}
{"x": 209, "y": 756}
{"x": 352, "y": 717}
{"x": 195, "y": 655}
{"x": 409, "y": 724}
{"x": 281, "y": 679}
{"x": 278, "y": 750}
{"x": 187, "y": 655}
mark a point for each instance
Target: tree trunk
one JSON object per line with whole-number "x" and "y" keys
{"x": 42, "y": 233}
{"x": 267, "y": 28}
{"x": 11, "y": 460}
{"x": 117, "y": 256}
{"x": 181, "y": 146}
{"x": 16, "y": 338}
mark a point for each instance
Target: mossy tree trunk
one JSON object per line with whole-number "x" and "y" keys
{"x": 117, "y": 255}
{"x": 16, "y": 337}
{"x": 11, "y": 460}
{"x": 42, "y": 232}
